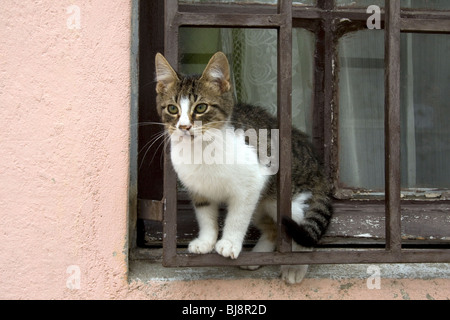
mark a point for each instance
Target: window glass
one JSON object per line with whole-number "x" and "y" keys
{"x": 425, "y": 110}
{"x": 410, "y": 4}
{"x": 304, "y": 2}
{"x": 252, "y": 54}
{"x": 427, "y": 4}
{"x": 359, "y": 3}
{"x": 361, "y": 110}
{"x": 303, "y": 48}
{"x": 425, "y": 134}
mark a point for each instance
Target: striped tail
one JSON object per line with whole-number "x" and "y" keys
{"x": 308, "y": 232}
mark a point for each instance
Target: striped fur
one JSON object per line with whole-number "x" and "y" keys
{"x": 314, "y": 224}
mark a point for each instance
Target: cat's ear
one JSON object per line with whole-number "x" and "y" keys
{"x": 165, "y": 75}
{"x": 217, "y": 72}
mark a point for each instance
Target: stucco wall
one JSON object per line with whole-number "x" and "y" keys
{"x": 64, "y": 135}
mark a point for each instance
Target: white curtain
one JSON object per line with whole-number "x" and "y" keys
{"x": 425, "y": 110}
{"x": 253, "y": 55}
{"x": 361, "y": 110}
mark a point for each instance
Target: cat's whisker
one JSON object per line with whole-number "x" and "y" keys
{"x": 152, "y": 140}
{"x": 148, "y": 146}
{"x": 163, "y": 143}
{"x": 147, "y": 84}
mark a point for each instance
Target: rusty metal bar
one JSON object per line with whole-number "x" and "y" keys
{"x": 170, "y": 181}
{"x": 425, "y": 25}
{"x": 392, "y": 126}
{"x": 150, "y": 209}
{"x": 336, "y": 256}
{"x": 284, "y": 96}
{"x": 328, "y": 109}
{"x": 230, "y": 20}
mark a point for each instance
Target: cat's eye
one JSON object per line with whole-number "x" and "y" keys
{"x": 201, "y": 108}
{"x": 172, "y": 109}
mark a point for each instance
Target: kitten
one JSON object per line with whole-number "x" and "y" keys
{"x": 216, "y": 159}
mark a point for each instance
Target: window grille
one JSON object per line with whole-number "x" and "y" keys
{"x": 395, "y": 217}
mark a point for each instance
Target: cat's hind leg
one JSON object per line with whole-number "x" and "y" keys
{"x": 268, "y": 229}
{"x": 266, "y": 219}
{"x": 293, "y": 274}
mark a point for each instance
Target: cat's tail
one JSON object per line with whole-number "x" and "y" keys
{"x": 312, "y": 227}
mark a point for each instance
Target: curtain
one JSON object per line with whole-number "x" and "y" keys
{"x": 425, "y": 110}
{"x": 361, "y": 110}
{"x": 253, "y": 55}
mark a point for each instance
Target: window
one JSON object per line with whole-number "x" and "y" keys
{"x": 373, "y": 101}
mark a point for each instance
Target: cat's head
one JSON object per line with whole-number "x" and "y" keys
{"x": 193, "y": 104}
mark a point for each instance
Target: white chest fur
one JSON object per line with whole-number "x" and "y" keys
{"x": 217, "y": 165}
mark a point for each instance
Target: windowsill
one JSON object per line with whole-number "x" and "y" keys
{"x": 149, "y": 270}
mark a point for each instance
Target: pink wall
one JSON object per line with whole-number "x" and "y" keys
{"x": 64, "y": 133}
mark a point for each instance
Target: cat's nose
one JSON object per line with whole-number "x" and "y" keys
{"x": 186, "y": 127}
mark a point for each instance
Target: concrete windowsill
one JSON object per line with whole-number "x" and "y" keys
{"x": 152, "y": 270}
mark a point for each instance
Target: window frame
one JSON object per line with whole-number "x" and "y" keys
{"x": 326, "y": 21}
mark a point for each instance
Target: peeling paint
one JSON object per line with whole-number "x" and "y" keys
{"x": 364, "y": 235}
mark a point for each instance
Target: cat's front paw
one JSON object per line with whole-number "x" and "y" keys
{"x": 228, "y": 249}
{"x": 293, "y": 274}
{"x": 200, "y": 246}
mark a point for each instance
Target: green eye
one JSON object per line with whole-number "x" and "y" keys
{"x": 172, "y": 109}
{"x": 201, "y": 108}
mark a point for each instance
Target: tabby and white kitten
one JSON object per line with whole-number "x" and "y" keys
{"x": 200, "y": 114}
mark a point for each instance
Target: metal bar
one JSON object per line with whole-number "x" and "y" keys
{"x": 170, "y": 182}
{"x": 229, "y": 20}
{"x": 264, "y": 16}
{"x": 326, "y": 47}
{"x": 318, "y": 117}
{"x": 392, "y": 126}
{"x": 234, "y": 7}
{"x": 150, "y": 209}
{"x": 330, "y": 112}
{"x": 315, "y": 257}
{"x": 425, "y": 14}
{"x": 425, "y": 25}
{"x": 284, "y": 96}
